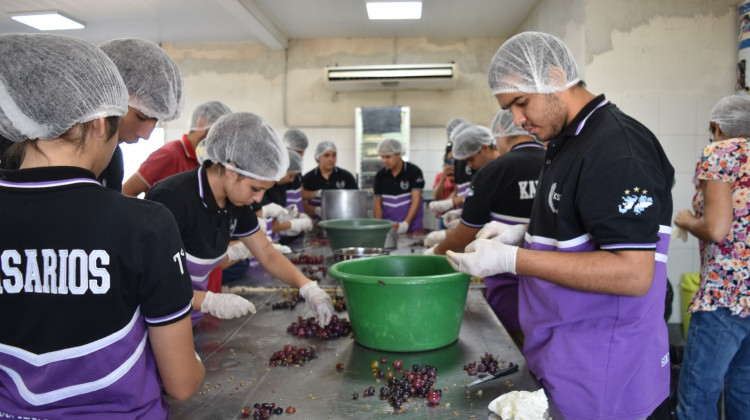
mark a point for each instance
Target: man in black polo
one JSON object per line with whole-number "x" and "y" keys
{"x": 398, "y": 189}
{"x": 593, "y": 266}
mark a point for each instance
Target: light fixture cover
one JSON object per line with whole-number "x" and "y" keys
{"x": 377, "y": 10}
{"x": 47, "y": 20}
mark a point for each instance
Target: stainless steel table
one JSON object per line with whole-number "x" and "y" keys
{"x": 236, "y": 355}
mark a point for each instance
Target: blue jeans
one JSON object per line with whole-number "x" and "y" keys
{"x": 717, "y": 351}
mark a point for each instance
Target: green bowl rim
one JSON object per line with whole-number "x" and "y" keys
{"x": 382, "y": 224}
{"x": 336, "y": 273}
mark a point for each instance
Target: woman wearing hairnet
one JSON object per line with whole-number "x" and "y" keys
{"x": 243, "y": 158}
{"x": 327, "y": 176}
{"x": 155, "y": 93}
{"x": 286, "y": 222}
{"x": 398, "y": 189}
{"x": 95, "y": 313}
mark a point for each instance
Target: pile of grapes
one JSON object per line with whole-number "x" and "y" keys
{"x": 292, "y": 356}
{"x": 339, "y": 304}
{"x": 487, "y": 364}
{"x": 417, "y": 382}
{"x": 264, "y": 411}
{"x": 307, "y": 259}
{"x": 307, "y": 328}
{"x": 288, "y": 303}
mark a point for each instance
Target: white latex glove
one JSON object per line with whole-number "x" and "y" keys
{"x": 403, "y": 227}
{"x": 226, "y": 305}
{"x": 282, "y": 248}
{"x": 273, "y": 210}
{"x": 434, "y": 238}
{"x": 429, "y": 251}
{"x": 452, "y": 218}
{"x": 293, "y": 210}
{"x": 318, "y": 301}
{"x": 484, "y": 257}
{"x": 679, "y": 233}
{"x": 238, "y": 251}
{"x": 503, "y": 232}
{"x": 317, "y": 211}
{"x": 318, "y": 193}
{"x": 301, "y": 224}
{"x": 440, "y": 206}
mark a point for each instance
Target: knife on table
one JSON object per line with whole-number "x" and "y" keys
{"x": 507, "y": 371}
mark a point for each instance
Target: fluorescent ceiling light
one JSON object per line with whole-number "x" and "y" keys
{"x": 46, "y": 21}
{"x": 394, "y": 9}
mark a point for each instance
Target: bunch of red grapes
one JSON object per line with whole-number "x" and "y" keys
{"x": 264, "y": 410}
{"x": 307, "y": 328}
{"x": 292, "y": 356}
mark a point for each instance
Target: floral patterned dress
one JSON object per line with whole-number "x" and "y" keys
{"x": 725, "y": 273}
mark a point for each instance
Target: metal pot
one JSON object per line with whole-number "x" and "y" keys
{"x": 343, "y": 204}
{"x": 345, "y": 254}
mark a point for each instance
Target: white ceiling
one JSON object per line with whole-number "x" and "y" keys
{"x": 272, "y": 22}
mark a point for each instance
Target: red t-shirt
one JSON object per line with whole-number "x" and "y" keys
{"x": 448, "y": 186}
{"x": 172, "y": 158}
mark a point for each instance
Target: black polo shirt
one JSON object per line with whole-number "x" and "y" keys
{"x": 504, "y": 189}
{"x": 410, "y": 178}
{"x": 86, "y": 258}
{"x": 339, "y": 179}
{"x": 206, "y": 229}
{"x": 463, "y": 177}
{"x": 605, "y": 175}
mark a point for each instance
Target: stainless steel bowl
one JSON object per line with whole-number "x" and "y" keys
{"x": 344, "y": 254}
{"x": 343, "y": 204}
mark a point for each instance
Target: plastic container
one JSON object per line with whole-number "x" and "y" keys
{"x": 403, "y": 303}
{"x": 356, "y": 233}
{"x": 688, "y": 286}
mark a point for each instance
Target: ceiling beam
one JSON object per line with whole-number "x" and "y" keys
{"x": 263, "y": 27}
{"x": 256, "y": 21}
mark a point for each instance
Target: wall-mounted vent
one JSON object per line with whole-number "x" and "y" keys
{"x": 392, "y": 77}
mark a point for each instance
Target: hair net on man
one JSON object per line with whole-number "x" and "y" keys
{"x": 206, "y": 114}
{"x": 296, "y": 140}
{"x": 389, "y": 147}
{"x": 453, "y": 123}
{"x": 151, "y": 76}
{"x": 49, "y": 83}
{"x": 295, "y": 162}
{"x": 732, "y": 114}
{"x": 244, "y": 143}
{"x": 457, "y": 129}
{"x": 532, "y": 62}
{"x": 470, "y": 141}
{"x": 503, "y": 126}
{"x": 324, "y": 146}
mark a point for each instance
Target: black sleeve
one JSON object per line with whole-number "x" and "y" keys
{"x": 417, "y": 183}
{"x": 247, "y": 222}
{"x": 621, "y": 205}
{"x": 166, "y": 292}
{"x": 478, "y": 201}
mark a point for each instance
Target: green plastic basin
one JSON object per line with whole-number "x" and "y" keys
{"x": 403, "y": 303}
{"x": 356, "y": 233}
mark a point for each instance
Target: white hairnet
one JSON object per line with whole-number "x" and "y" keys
{"x": 323, "y": 147}
{"x": 457, "y": 129}
{"x": 151, "y": 76}
{"x": 524, "y": 62}
{"x": 49, "y": 83}
{"x": 295, "y": 162}
{"x": 389, "y": 147}
{"x": 503, "y": 126}
{"x": 732, "y": 114}
{"x": 209, "y": 112}
{"x": 296, "y": 140}
{"x": 470, "y": 141}
{"x": 246, "y": 144}
{"x": 453, "y": 123}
